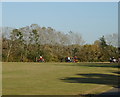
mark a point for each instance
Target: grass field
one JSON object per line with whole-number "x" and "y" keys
{"x": 58, "y": 78}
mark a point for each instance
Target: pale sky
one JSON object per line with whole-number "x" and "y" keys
{"x": 90, "y": 19}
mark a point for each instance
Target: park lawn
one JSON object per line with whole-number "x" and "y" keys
{"x": 31, "y": 78}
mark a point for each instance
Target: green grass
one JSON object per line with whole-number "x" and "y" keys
{"x": 58, "y": 78}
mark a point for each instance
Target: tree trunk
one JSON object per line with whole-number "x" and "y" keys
{"x": 9, "y": 53}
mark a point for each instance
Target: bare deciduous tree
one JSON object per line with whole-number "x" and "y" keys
{"x": 112, "y": 39}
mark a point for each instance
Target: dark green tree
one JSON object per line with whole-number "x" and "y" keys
{"x": 103, "y": 42}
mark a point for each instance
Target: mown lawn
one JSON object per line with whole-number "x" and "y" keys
{"x": 58, "y": 78}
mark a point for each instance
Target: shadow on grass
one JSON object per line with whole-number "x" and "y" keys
{"x": 103, "y": 65}
{"x": 59, "y": 96}
{"x": 93, "y": 78}
{"x": 111, "y": 65}
{"x": 101, "y": 95}
{"x": 118, "y": 72}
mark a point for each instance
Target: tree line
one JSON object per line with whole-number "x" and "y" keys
{"x": 27, "y": 43}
